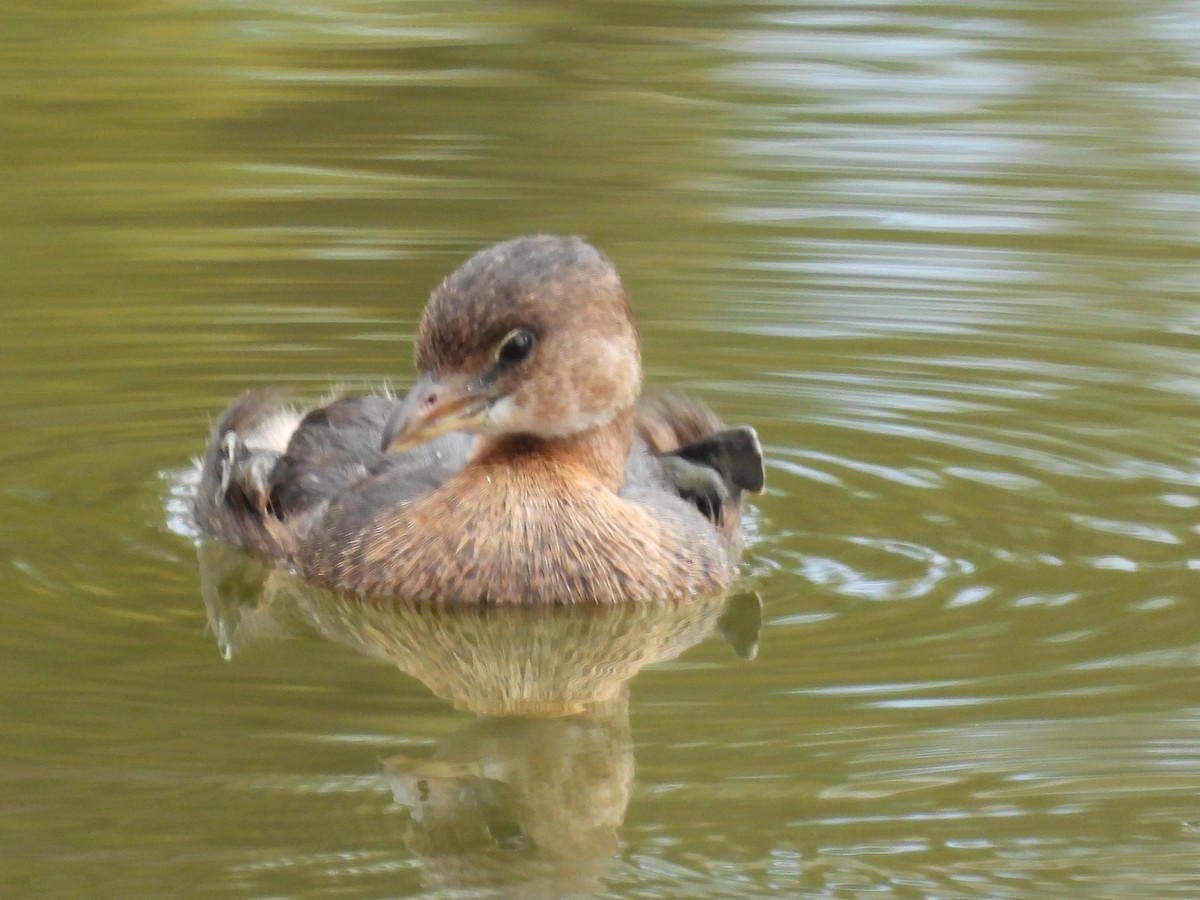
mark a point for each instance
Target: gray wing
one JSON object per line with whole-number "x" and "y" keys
{"x": 257, "y": 495}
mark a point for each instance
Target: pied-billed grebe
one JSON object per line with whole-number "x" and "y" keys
{"x": 521, "y": 467}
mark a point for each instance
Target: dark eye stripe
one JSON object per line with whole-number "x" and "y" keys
{"x": 516, "y": 346}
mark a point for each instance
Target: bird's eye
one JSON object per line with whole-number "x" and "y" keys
{"x": 516, "y": 346}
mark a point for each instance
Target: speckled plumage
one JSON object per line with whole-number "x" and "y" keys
{"x": 566, "y": 490}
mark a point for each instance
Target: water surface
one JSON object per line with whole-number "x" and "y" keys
{"x": 943, "y": 258}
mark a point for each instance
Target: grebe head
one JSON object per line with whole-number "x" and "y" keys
{"x": 533, "y": 336}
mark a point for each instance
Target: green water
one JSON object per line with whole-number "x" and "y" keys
{"x": 943, "y": 258}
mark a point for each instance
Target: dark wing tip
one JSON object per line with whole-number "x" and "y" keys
{"x": 734, "y": 452}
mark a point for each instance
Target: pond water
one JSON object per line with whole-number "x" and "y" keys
{"x": 943, "y": 257}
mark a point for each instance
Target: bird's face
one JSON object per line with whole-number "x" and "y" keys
{"x": 533, "y": 336}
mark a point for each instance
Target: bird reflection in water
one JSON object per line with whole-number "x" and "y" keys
{"x": 528, "y": 799}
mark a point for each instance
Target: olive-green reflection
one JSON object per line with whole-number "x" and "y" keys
{"x": 943, "y": 257}
{"x": 534, "y": 791}
{"x": 338, "y": 137}
{"x": 531, "y": 803}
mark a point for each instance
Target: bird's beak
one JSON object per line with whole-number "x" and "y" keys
{"x": 435, "y": 406}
